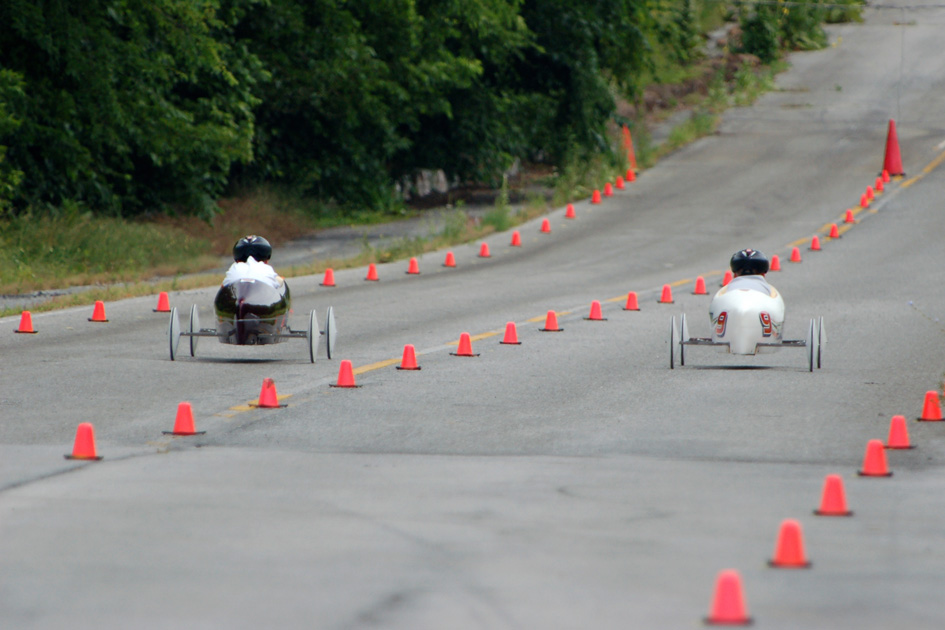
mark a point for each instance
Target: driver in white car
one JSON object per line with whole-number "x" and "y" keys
{"x": 749, "y": 267}
{"x": 251, "y": 262}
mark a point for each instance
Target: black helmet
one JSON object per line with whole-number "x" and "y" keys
{"x": 749, "y": 262}
{"x": 252, "y": 245}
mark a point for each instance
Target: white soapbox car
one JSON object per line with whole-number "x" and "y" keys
{"x": 747, "y": 322}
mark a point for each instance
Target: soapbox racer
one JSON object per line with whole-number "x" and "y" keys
{"x": 251, "y": 312}
{"x": 747, "y": 322}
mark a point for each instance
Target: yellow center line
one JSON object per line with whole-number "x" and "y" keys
{"x": 934, "y": 164}
{"x": 374, "y": 366}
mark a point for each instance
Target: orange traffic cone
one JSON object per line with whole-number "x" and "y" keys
{"x": 874, "y": 463}
{"x": 834, "y": 231}
{"x": 595, "y": 197}
{"x": 885, "y": 176}
{"x": 484, "y": 251}
{"x": 569, "y": 212}
{"x": 892, "y": 163}
{"x": 631, "y": 175}
{"x": 516, "y": 239}
{"x": 878, "y": 184}
{"x": 870, "y": 194}
{"x": 450, "y": 260}
{"x": 409, "y": 362}
{"x": 551, "y": 323}
{"x": 775, "y": 263}
{"x": 898, "y": 434}
{"x": 26, "y": 323}
{"x": 864, "y": 201}
{"x": 268, "y": 399}
{"x": 849, "y": 216}
{"x": 728, "y": 603}
{"x": 164, "y": 304}
{"x": 608, "y": 190}
{"x": 98, "y": 312}
{"x": 465, "y": 347}
{"x": 511, "y": 335}
{"x": 329, "y": 280}
{"x": 84, "y": 446}
{"x": 632, "y": 302}
{"x": 931, "y": 410}
{"x": 184, "y": 422}
{"x": 833, "y": 501}
{"x": 789, "y": 549}
{"x": 618, "y": 184}
{"x": 727, "y": 277}
{"x": 371, "y": 273}
{"x": 815, "y": 243}
{"x": 667, "y": 295}
{"x": 413, "y": 267}
{"x": 545, "y": 226}
{"x": 700, "y": 287}
{"x": 795, "y": 255}
{"x": 595, "y": 314}
{"x": 628, "y": 147}
{"x": 345, "y": 376}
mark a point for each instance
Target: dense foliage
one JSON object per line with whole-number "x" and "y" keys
{"x": 134, "y": 106}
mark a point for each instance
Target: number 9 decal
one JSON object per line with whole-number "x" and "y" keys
{"x": 766, "y": 327}
{"x": 720, "y": 324}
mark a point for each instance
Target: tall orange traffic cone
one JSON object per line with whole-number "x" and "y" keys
{"x": 833, "y": 501}
{"x": 329, "y": 279}
{"x": 569, "y": 212}
{"x": 666, "y": 297}
{"x": 184, "y": 421}
{"x": 775, "y": 263}
{"x": 164, "y": 304}
{"x": 413, "y": 267}
{"x": 464, "y": 349}
{"x": 345, "y": 376}
{"x": 728, "y": 603}
{"x": 632, "y": 302}
{"x": 409, "y": 361}
{"x": 849, "y": 216}
{"x": 727, "y": 277}
{"x": 26, "y": 323}
{"x": 931, "y": 410}
{"x": 268, "y": 399}
{"x": 700, "y": 287}
{"x": 834, "y": 231}
{"x": 516, "y": 239}
{"x": 84, "y": 446}
{"x": 898, "y": 434}
{"x": 545, "y": 226}
{"x": 618, "y": 184}
{"x": 551, "y": 323}
{"x": 878, "y": 184}
{"x": 450, "y": 260}
{"x": 874, "y": 463}
{"x": 815, "y": 243}
{"x": 595, "y": 196}
{"x": 595, "y": 314}
{"x": 608, "y": 190}
{"x": 98, "y": 312}
{"x": 511, "y": 335}
{"x": 789, "y": 548}
{"x": 795, "y": 255}
{"x": 892, "y": 163}
{"x": 631, "y": 175}
{"x": 371, "y": 273}
{"x": 628, "y": 147}
{"x": 484, "y": 251}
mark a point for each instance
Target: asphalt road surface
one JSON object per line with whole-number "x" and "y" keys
{"x": 572, "y": 481}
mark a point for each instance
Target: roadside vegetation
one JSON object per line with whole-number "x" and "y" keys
{"x": 138, "y": 142}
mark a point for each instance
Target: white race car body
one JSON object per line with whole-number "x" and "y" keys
{"x": 746, "y": 320}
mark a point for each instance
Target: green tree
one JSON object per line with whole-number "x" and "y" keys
{"x": 130, "y": 105}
